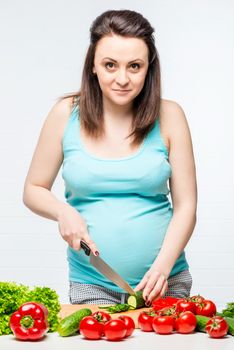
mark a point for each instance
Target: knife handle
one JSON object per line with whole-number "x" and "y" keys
{"x": 85, "y": 247}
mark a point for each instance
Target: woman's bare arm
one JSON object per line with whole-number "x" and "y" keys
{"x": 46, "y": 162}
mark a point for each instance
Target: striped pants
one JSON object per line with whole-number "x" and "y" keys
{"x": 179, "y": 286}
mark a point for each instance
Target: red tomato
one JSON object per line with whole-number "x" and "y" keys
{"x": 129, "y": 323}
{"x": 206, "y": 308}
{"x": 186, "y": 322}
{"x": 217, "y": 327}
{"x": 115, "y": 329}
{"x": 167, "y": 311}
{"x": 163, "y": 324}
{"x": 145, "y": 320}
{"x": 185, "y": 305}
{"x": 196, "y": 298}
{"x": 101, "y": 316}
{"x": 90, "y": 328}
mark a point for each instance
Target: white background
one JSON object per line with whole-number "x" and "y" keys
{"x": 43, "y": 45}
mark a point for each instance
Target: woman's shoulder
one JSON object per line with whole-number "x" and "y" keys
{"x": 172, "y": 120}
{"x": 62, "y": 108}
{"x": 170, "y": 111}
{"x": 171, "y": 115}
{"x": 57, "y": 117}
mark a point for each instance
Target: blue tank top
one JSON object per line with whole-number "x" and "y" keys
{"x": 124, "y": 202}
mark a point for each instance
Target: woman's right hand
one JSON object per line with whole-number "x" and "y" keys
{"x": 73, "y": 228}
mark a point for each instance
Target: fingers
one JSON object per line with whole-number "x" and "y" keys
{"x": 154, "y": 285}
{"x": 159, "y": 290}
{"x": 91, "y": 244}
{"x": 141, "y": 285}
{"x": 73, "y": 238}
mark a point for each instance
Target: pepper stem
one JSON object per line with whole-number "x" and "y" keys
{"x": 27, "y": 321}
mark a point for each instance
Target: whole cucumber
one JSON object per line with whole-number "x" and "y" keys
{"x": 201, "y": 323}
{"x": 70, "y": 324}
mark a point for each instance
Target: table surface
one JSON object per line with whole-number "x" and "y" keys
{"x": 139, "y": 339}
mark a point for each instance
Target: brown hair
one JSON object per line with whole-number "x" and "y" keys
{"x": 146, "y": 105}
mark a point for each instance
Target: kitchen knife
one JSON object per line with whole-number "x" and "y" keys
{"x": 106, "y": 270}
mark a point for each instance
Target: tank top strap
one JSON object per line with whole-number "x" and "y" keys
{"x": 71, "y": 131}
{"x": 155, "y": 140}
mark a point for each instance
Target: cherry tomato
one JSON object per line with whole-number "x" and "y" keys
{"x": 185, "y": 305}
{"x": 163, "y": 324}
{"x": 129, "y": 323}
{"x": 90, "y": 328}
{"x": 115, "y": 329}
{"x": 217, "y": 327}
{"x": 145, "y": 320}
{"x": 101, "y": 316}
{"x": 206, "y": 308}
{"x": 186, "y": 322}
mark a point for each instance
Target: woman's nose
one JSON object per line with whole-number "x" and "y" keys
{"x": 122, "y": 77}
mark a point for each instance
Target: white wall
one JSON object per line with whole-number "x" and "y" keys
{"x": 43, "y": 44}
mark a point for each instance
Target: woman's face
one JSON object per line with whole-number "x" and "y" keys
{"x": 121, "y": 63}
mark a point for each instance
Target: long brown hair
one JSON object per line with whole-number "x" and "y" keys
{"x": 89, "y": 98}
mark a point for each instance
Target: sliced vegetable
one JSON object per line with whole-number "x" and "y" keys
{"x": 112, "y": 309}
{"x": 70, "y": 324}
{"x": 29, "y": 322}
{"x": 136, "y": 301}
{"x": 164, "y": 302}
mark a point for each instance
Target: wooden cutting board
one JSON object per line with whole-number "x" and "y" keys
{"x": 67, "y": 309}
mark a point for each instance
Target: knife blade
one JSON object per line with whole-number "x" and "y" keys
{"x": 106, "y": 270}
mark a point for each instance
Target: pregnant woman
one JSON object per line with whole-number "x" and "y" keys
{"x": 123, "y": 150}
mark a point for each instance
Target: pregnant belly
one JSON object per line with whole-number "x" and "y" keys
{"x": 128, "y": 243}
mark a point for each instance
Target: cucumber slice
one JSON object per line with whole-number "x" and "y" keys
{"x": 136, "y": 301}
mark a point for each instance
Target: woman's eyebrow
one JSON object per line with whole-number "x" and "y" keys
{"x": 109, "y": 58}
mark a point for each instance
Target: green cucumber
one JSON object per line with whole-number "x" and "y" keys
{"x": 136, "y": 301}
{"x": 230, "y": 322}
{"x": 201, "y": 323}
{"x": 70, "y": 324}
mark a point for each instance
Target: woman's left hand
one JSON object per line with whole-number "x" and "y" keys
{"x": 154, "y": 285}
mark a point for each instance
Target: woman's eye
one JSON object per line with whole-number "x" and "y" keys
{"x": 109, "y": 64}
{"x": 134, "y": 66}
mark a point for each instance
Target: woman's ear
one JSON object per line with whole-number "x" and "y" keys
{"x": 94, "y": 71}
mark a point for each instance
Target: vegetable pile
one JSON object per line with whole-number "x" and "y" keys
{"x": 13, "y": 295}
{"x": 187, "y": 315}
{"x": 166, "y": 316}
{"x": 96, "y": 325}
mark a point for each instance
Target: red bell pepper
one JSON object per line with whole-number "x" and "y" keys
{"x": 29, "y": 322}
{"x": 162, "y": 303}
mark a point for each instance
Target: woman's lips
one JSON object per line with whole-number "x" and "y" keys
{"x": 122, "y": 91}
